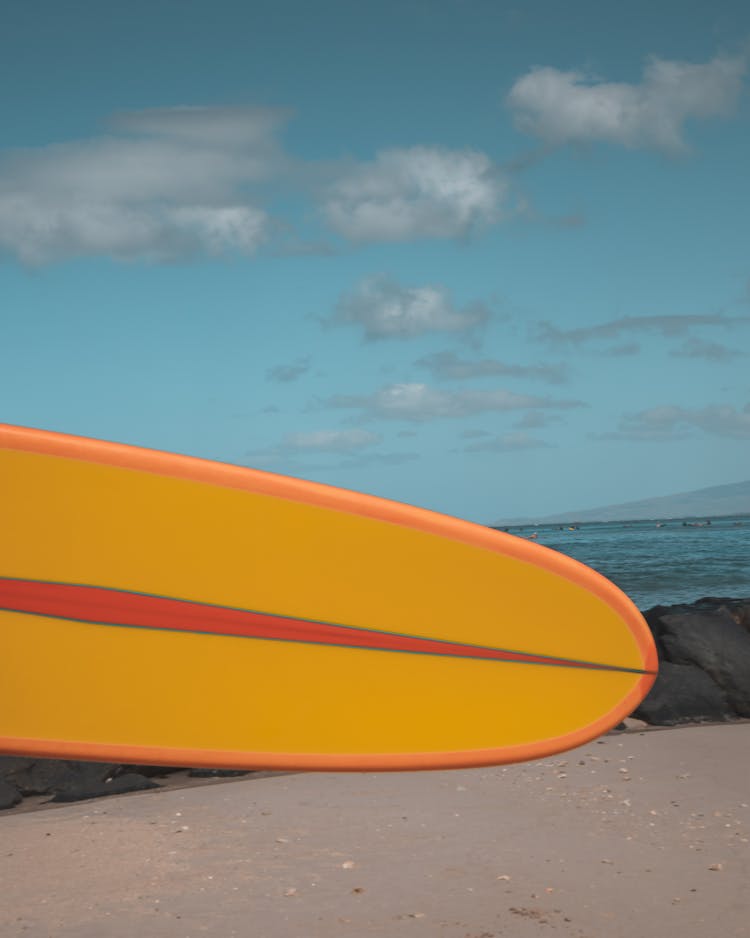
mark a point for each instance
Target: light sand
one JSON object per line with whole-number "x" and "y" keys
{"x": 639, "y": 834}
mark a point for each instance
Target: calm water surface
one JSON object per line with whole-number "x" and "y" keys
{"x": 659, "y": 562}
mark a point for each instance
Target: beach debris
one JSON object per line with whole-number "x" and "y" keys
{"x": 348, "y": 865}
{"x": 716, "y": 867}
{"x": 290, "y": 892}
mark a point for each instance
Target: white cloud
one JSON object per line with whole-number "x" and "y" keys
{"x": 420, "y": 192}
{"x": 571, "y": 107}
{"x": 422, "y": 402}
{"x": 164, "y": 184}
{"x": 447, "y": 365}
{"x": 387, "y": 310}
{"x": 669, "y": 422}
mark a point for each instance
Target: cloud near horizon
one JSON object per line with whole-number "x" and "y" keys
{"x": 293, "y": 445}
{"x": 562, "y": 107}
{"x": 387, "y": 310}
{"x": 302, "y": 450}
{"x": 331, "y": 441}
{"x": 669, "y": 326}
{"x": 708, "y": 351}
{"x": 670, "y": 422}
{"x": 420, "y": 402}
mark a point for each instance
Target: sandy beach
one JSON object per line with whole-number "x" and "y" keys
{"x": 640, "y": 833}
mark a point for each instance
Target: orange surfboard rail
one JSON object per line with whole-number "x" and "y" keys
{"x": 327, "y": 629}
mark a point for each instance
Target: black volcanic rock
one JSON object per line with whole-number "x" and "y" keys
{"x": 718, "y": 645}
{"x": 45, "y": 776}
{"x": 682, "y": 693}
{"x": 217, "y": 773}
{"x": 704, "y": 655}
{"x": 69, "y": 780}
{"x": 119, "y": 785}
{"x": 10, "y": 796}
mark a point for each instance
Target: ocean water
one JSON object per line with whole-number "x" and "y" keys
{"x": 659, "y": 562}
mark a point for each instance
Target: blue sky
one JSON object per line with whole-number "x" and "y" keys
{"x": 488, "y": 258}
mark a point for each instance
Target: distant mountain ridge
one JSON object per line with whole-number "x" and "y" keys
{"x": 717, "y": 500}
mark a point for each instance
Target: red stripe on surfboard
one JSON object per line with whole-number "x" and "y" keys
{"x": 104, "y": 606}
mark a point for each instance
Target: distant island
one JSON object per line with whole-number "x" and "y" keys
{"x": 713, "y": 502}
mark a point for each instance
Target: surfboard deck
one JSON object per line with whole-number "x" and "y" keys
{"x": 157, "y": 608}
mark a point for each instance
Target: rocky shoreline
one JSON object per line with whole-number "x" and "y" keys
{"x": 704, "y": 677}
{"x": 704, "y": 663}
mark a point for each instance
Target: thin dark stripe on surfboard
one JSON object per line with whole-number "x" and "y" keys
{"x": 107, "y": 606}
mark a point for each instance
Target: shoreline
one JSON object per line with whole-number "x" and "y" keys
{"x": 181, "y": 780}
{"x": 630, "y": 834}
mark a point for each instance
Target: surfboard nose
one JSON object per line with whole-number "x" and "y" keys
{"x": 327, "y": 629}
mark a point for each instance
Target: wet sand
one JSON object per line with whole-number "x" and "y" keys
{"x": 640, "y": 833}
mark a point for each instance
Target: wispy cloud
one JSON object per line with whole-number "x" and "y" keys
{"x": 535, "y": 419}
{"x": 506, "y": 443}
{"x": 709, "y": 351}
{"x": 670, "y": 422}
{"x": 364, "y": 460}
{"x": 421, "y": 402}
{"x": 668, "y": 326}
{"x": 329, "y": 441}
{"x": 418, "y": 192}
{"x": 571, "y": 107}
{"x": 162, "y": 184}
{"x": 290, "y": 371}
{"x": 354, "y": 449}
{"x": 447, "y": 365}
{"x": 385, "y": 309}
{"x": 292, "y": 446}
{"x": 622, "y": 350}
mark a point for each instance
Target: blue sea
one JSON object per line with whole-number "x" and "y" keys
{"x": 659, "y": 562}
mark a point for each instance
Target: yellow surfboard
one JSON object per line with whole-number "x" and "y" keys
{"x": 162, "y": 609}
